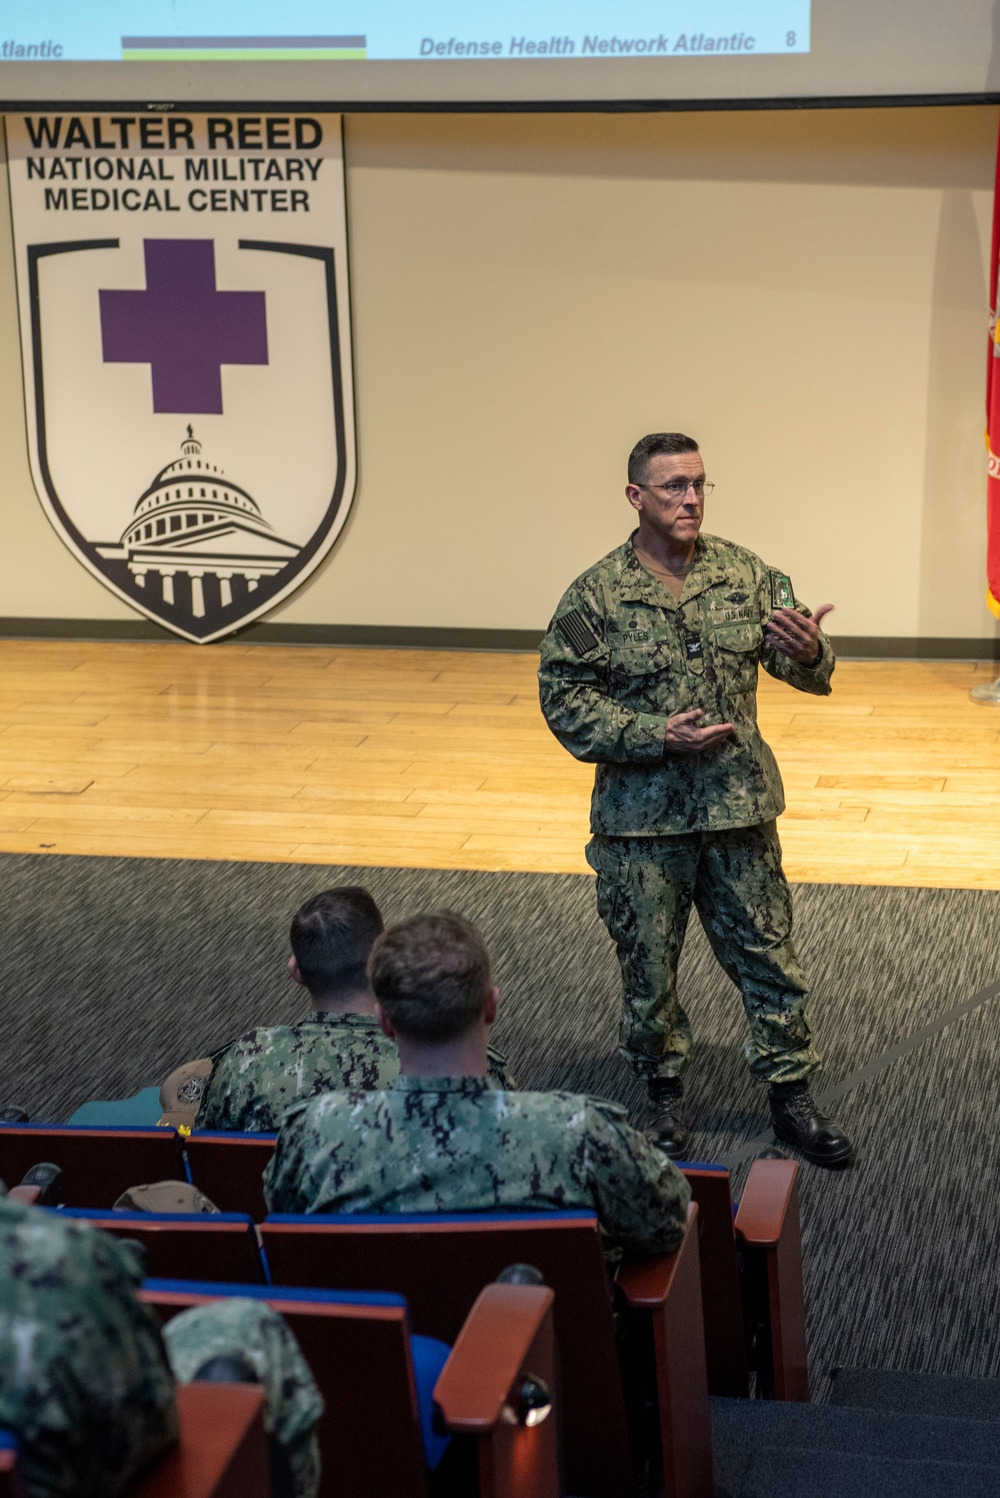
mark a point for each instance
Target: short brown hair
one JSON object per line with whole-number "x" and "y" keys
{"x": 431, "y": 975}
{"x": 651, "y": 447}
{"x": 332, "y": 936}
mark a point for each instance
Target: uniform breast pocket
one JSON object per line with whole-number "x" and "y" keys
{"x": 739, "y": 638}
{"x": 736, "y": 647}
{"x": 639, "y": 674}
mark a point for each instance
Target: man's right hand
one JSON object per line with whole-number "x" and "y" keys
{"x": 683, "y": 736}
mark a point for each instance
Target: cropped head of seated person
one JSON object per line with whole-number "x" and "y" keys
{"x": 339, "y": 1045}
{"x": 87, "y": 1377}
{"x": 443, "y": 1138}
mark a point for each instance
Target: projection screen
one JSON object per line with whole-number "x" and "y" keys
{"x": 369, "y": 54}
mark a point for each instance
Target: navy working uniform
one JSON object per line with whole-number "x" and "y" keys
{"x": 621, "y": 656}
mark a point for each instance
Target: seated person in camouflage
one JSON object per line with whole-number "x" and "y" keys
{"x": 237, "y": 1330}
{"x": 86, "y": 1384}
{"x": 339, "y": 1046}
{"x": 441, "y": 1138}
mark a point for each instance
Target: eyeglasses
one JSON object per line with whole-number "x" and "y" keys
{"x": 678, "y": 488}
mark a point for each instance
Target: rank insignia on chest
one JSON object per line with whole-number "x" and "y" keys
{"x": 692, "y": 649}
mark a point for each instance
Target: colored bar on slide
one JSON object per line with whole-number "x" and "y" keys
{"x": 236, "y": 54}
{"x": 241, "y": 48}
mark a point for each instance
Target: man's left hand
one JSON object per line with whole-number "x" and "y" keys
{"x": 792, "y": 634}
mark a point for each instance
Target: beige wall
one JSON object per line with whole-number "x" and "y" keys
{"x": 802, "y": 291}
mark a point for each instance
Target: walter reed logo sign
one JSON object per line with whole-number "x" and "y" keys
{"x": 183, "y": 299}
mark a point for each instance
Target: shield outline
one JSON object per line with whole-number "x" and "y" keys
{"x": 325, "y": 534}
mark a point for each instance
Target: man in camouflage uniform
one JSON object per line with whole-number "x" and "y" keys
{"x": 85, "y": 1382}
{"x": 340, "y": 1046}
{"x": 649, "y": 671}
{"x": 442, "y": 1139}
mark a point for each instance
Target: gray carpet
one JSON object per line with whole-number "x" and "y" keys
{"x": 114, "y": 970}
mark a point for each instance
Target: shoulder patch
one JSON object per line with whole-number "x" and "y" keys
{"x": 782, "y": 592}
{"x": 577, "y": 632}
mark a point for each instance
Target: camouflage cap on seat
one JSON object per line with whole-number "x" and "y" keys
{"x": 164, "y": 1196}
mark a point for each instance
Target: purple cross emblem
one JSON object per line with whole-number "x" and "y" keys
{"x": 183, "y": 327}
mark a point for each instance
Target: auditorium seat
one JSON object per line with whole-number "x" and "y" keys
{"x": 770, "y": 1239}
{"x": 203, "y": 1245}
{"x": 752, "y": 1295}
{"x": 751, "y": 1276}
{"x": 376, "y": 1432}
{"x": 142, "y": 1109}
{"x": 221, "y": 1451}
{"x": 228, "y": 1169}
{"x": 98, "y": 1163}
{"x": 441, "y": 1262}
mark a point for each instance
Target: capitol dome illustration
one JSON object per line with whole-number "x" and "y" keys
{"x": 194, "y": 527}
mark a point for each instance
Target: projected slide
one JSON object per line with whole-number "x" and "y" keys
{"x": 396, "y": 30}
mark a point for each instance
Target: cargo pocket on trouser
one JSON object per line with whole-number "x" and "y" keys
{"x": 610, "y": 862}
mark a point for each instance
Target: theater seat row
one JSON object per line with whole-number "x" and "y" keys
{"x": 394, "y": 1403}
{"x": 751, "y": 1269}
{"x": 439, "y": 1264}
{"x": 380, "y": 1386}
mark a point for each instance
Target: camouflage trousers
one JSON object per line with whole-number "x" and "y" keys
{"x": 645, "y": 889}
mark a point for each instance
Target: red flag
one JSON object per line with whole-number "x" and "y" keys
{"x": 993, "y": 418}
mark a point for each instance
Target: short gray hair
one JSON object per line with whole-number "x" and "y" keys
{"x": 651, "y": 447}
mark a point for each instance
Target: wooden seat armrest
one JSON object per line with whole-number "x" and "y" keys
{"x": 222, "y": 1449}
{"x": 489, "y": 1353}
{"x": 666, "y": 1288}
{"x": 645, "y": 1280}
{"x": 764, "y": 1205}
{"x": 26, "y": 1194}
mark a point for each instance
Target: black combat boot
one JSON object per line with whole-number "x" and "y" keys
{"x": 798, "y": 1121}
{"x": 666, "y": 1126}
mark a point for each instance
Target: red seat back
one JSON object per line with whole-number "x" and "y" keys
{"x": 441, "y": 1264}
{"x": 199, "y": 1246}
{"x": 228, "y": 1169}
{"x": 360, "y": 1357}
{"x": 97, "y": 1164}
{"x": 721, "y": 1303}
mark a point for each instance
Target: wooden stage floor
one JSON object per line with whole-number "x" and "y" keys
{"x": 441, "y": 759}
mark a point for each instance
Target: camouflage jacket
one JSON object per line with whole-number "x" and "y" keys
{"x": 84, "y": 1380}
{"x": 461, "y": 1145}
{"x": 267, "y": 1070}
{"x": 622, "y": 655}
